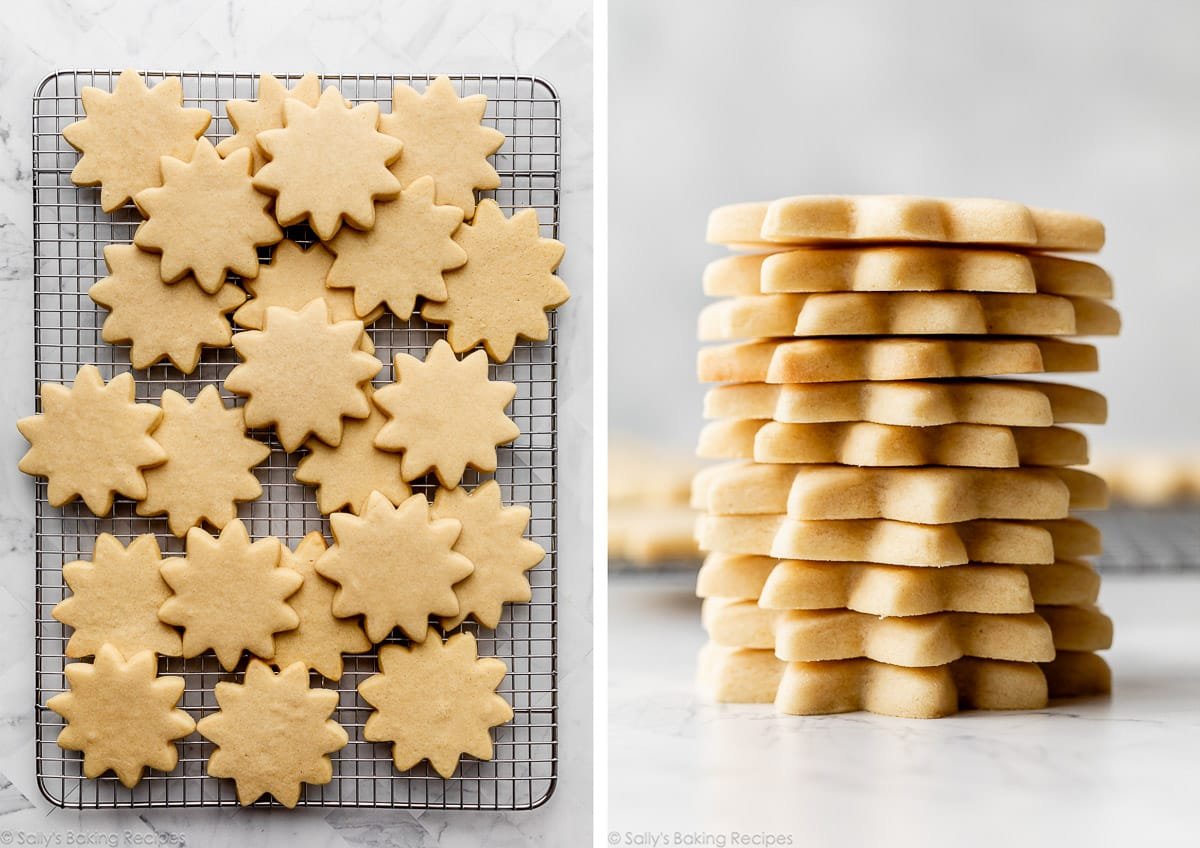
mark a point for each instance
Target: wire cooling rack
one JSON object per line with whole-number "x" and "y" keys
{"x": 70, "y": 232}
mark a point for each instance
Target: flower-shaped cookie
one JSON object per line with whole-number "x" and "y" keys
{"x": 250, "y": 117}
{"x": 443, "y": 139}
{"x": 303, "y": 373}
{"x": 115, "y": 599}
{"x": 273, "y": 733}
{"x": 394, "y": 566}
{"x": 445, "y": 414}
{"x": 322, "y": 637}
{"x": 206, "y": 218}
{"x": 493, "y": 539}
{"x": 402, "y": 256}
{"x": 127, "y": 132}
{"x": 121, "y": 715}
{"x": 506, "y": 287}
{"x": 172, "y": 320}
{"x": 345, "y": 476}
{"x": 435, "y": 701}
{"x": 230, "y": 594}
{"x": 328, "y": 164}
{"x": 91, "y": 440}
{"x": 209, "y": 457}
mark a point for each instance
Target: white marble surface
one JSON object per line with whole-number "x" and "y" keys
{"x": 551, "y": 39}
{"x": 1096, "y": 771}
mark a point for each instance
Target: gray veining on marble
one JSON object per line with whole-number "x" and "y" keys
{"x": 550, "y": 39}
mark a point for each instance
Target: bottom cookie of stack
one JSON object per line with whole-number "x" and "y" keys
{"x": 828, "y": 637}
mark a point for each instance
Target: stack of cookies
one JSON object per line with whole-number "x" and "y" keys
{"x": 892, "y": 528}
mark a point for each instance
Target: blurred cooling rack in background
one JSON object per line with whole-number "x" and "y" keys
{"x": 1151, "y": 527}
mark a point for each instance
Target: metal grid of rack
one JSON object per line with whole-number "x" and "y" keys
{"x": 70, "y": 234}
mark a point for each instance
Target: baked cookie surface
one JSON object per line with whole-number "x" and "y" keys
{"x": 210, "y": 462}
{"x": 394, "y": 565}
{"x": 435, "y": 701}
{"x": 303, "y": 373}
{"x": 229, "y": 594}
{"x": 115, "y": 599}
{"x": 505, "y": 288}
{"x": 121, "y": 715}
{"x": 273, "y": 733}
{"x": 443, "y": 139}
{"x": 84, "y": 423}
{"x": 445, "y": 415}
{"x": 207, "y": 218}
{"x": 126, "y": 133}
{"x": 328, "y": 164}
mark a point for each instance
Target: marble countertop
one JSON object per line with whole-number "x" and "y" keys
{"x": 550, "y": 39}
{"x": 1096, "y": 771}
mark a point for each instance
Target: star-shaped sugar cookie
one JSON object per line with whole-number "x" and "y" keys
{"x": 394, "y": 566}
{"x": 328, "y": 164}
{"x": 443, "y": 139}
{"x": 493, "y": 539}
{"x": 322, "y": 637}
{"x": 159, "y": 319}
{"x": 445, "y": 414}
{"x": 209, "y": 457}
{"x": 121, "y": 715}
{"x": 115, "y": 599}
{"x": 403, "y": 256}
{"x": 206, "y": 218}
{"x": 435, "y": 701}
{"x": 250, "y": 117}
{"x": 229, "y": 594}
{"x": 345, "y": 476}
{"x": 91, "y": 440}
{"x": 294, "y": 278}
{"x": 127, "y": 132}
{"x": 505, "y": 288}
{"x": 273, "y": 733}
{"x": 302, "y": 373}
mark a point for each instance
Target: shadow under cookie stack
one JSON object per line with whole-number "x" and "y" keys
{"x": 892, "y": 530}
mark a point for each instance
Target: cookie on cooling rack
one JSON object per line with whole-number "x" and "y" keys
{"x": 328, "y": 164}
{"x": 159, "y": 319}
{"x": 230, "y": 594}
{"x": 250, "y": 117}
{"x": 127, "y": 132}
{"x": 115, "y": 599}
{"x": 346, "y": 476}
{"x": 121, "y": 715}
{"x": 402, "y": 257}
{"x": 273, "y": 733}
{"x": 294, "y": 278}
{"x": 394, "y": 566}
{"x": 445, "y": 414}
{"x": 303, "y": 374}
{"x": 444, "y": 139}
{"x": 91, "y": 440}
{"x": 506, "y": 287}
{"x": 409, "y": 697}
{"x": 493, "y": 539}
{"x": 207, "y": 218}
{"x": 209, "y": 464}
{"x": 322, "y": 637}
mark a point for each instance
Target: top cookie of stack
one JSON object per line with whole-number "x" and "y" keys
{"x": 892, "y": 533}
